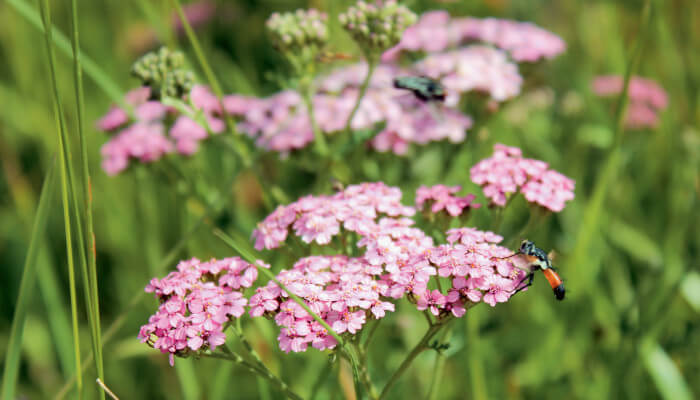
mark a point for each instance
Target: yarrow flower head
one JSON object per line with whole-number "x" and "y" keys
{"x": 164, "y": 72}
{"x": 377, "y": 26}
{"x": 319, "y": 218}
{"x": 507, "y": 172}
{"x": 646, "y": 99}
{"x": 197, "y": 301}
{"x": 441, "y": 197}
{"x": 298, "y": 32}
{"x": 343, "y": 291}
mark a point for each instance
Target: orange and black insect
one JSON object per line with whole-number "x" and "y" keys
{"x": 535, "y": 258}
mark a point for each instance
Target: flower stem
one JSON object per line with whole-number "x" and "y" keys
{"x": 419, "y": 348}
{"x": 439, "y": 365}
{"x": 319, "y": 139}
{"x": 241, "y": 147}
{"x": 262, "y": 371}
{"x": 371, "y": 65}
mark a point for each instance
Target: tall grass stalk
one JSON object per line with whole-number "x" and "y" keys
{"x": 90, "y": 246}
{"x": 590, "y": 222}
{"x": 14, "y": 345}
{"x": 63, "y": 44}
{"x": 65, "y": 188}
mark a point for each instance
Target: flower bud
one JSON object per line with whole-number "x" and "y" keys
{"x": 379, "y": 26}
{"x": 163, "y": 71}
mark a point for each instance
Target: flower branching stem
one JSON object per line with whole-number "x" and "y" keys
{"x": 422, "y": 345}
{"x": 261, "y": 370}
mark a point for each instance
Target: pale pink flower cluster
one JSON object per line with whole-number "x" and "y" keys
{"x": 145, "y": 139}
{"x": 506, "y": 172}
{"x": 343, "y": 291}
{"x": 197, "y": 301}
{"x": 472, "y": 262}
{"x": 319, "y": 218}
{"x": 436, "y": 31}
{"x": 441, "y": 197}
{"x": 473, "y": 68}
{"x": 646, "y": 99}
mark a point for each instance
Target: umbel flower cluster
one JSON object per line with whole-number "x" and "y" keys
{"x": 468, "y": 55}
{"x": 164, "y": 72}
{"x": 646, "y": 99}
{"x": 377, "y": 26}
{"x": 507, "y": 172}
{"x": 197, "y": 301}
{"x": 294, "y": 32}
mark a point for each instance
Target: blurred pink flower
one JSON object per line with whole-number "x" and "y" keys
{"x": 145, "y": 137}
{"x": 646, "y": 98}
{"x": 436, "y": 31}
{"x": 506, "y": 172}
{"x": 474, "y": 68}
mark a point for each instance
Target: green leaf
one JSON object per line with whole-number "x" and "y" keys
{"x": 664, "y": 372}
{"x": 690, "y": 288}
{"x": 635, "y": 243}
{"x": 26, "y": 287}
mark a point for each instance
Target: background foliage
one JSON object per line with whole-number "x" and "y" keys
{"x": 629, "y": 329}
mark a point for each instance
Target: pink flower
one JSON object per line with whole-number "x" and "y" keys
{"x": 506, "y": 173}
{"x": 145, "y": 139}
{"x": 435, "y": 31}
{"x": 433, "y": 300}
{"x": 442, "y": 198}
{"x": 646, "y": 99}
{"x": 196, "y": 301}
{"x": 343, "y": 291}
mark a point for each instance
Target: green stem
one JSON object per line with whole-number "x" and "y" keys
{"x": 364, "y": 373}
{"x": 14, "y": 345}
{"x": 588, "y": 227}
{"x": 438, "y": 367}
{"x": 320, "y": 380}
{"x": 371, "y": 65}
{"x": 100, "y": 78}
{"x": 476, "y": 368}
{"x": 91, "y": 249}
{"x": 419, "y": 348}
{"x": 263, "y": 372}
{"x": 65, "y": 164}
{"x": 243, "y": 151}
{"x": 307, "y": 93}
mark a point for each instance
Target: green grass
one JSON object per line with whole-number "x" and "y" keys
{"x": 629, "y": 244}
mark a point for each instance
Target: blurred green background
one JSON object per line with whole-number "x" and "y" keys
{"x": 630, "y": 327}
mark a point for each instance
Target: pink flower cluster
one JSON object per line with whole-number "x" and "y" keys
{"x": 436, "y": 31}
{"x": 197, "y": 301}
{"x": 507, "y": 171}
{"x": 319, "y": 218}
{"x": 646, "y": 99}
{"x": 144, "y": 138}
{"x": 343, "y": 291}
{"x": 441, "y": 197}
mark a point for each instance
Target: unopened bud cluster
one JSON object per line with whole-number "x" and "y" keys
{"x": 377, "y": 26}
{"x": 294, "y": 32}
{"x": 164, "y": 72}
